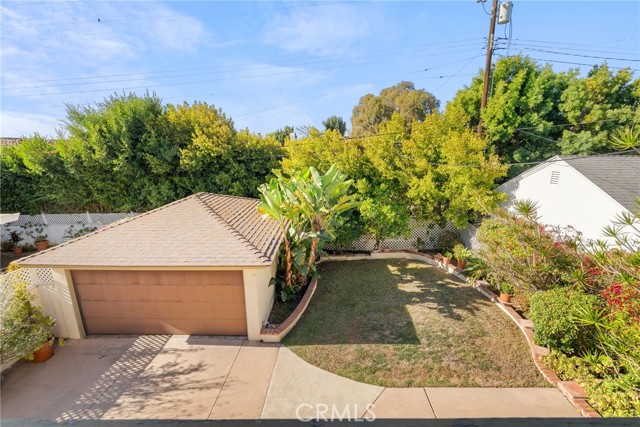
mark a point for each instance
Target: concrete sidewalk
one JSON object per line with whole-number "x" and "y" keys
{"x": 182, "y": 377}
{"x": 299, "y": 389}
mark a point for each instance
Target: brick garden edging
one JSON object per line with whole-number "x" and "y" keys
{"x": 571, "y": 390}
{"x": 278, "y": 333}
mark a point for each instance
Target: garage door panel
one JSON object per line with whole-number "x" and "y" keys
{"x": 91, "y": 292}
{"x": 104, "y": 326}
{"x": 144, "y": 310}
{"x": 202, "y": 302}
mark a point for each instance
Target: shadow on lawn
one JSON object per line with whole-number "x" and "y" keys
{"x": 377, "y": 302}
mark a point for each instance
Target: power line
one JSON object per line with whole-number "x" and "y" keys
{"x": 577, "y": 54}
{"x": 227, "y": 69}
{"x": 582, "y": 63}
{"x": 211, "y": 80}
{"x": 569, "y": 124}
{"x": 409, "y": 49}
{"x": 557, "y": 43}
{"x": 562, "y": 48}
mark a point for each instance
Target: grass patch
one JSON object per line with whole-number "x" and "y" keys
{"x": 401, "y": 323}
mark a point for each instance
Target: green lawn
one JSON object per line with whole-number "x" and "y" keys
{"x": 401, "y": 323}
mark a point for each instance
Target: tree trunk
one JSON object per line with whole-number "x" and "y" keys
{"x": 287, "y": 276}
{"x": 312, "y": 254}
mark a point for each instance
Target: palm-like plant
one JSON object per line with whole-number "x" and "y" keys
{"x": 322, "y": 199}
{"x": 307, "y": 207}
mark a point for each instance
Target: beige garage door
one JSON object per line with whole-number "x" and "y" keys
{"x": 161, "y": 302}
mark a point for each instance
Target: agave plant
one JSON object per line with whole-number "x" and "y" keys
{"x": 627, "y": 138}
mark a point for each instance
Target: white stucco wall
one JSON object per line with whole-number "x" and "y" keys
{"x": 259, "y": 297}
{"x": 574, "y": 200}
{"x": 59, "y": 301}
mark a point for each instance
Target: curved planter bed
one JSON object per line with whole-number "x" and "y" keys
{"x": 278, "y": 333}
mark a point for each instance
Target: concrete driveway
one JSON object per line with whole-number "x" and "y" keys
{"x": 182, "y": 377}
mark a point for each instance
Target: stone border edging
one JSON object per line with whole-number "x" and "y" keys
{"x": 571, "y": 390}
{"x": 278, "y": 333}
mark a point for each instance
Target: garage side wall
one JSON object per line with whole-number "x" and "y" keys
{"x": 258, "y": 298}
{"x": 58, "y": 300}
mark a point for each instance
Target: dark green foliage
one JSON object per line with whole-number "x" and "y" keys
{"x": 609, "y": 394}
{"x": 553, "y": 314}
{"x": 335, "y": 123}
{"x": 282, "y": 135}
{"x": 403, "y": 98}
{"x": 131, "y": 153}
{"x": 534, "y": 113}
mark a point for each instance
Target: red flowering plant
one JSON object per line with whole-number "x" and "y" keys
{"x": 615, "y": 265}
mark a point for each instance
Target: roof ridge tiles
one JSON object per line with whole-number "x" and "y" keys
{"x": 234, "y": 230}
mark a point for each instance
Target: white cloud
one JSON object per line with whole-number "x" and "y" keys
{"x": 19, "y": 123}
{"x": 178, "y": 33}
{"x": 321, "y": 29}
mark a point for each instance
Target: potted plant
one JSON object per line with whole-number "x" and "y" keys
{"x": 73, "y": 233}
{"x": 26, "y": 331}
{"x": 36, "y": 232}
{"x": 28, "y": 247}
{"x": 506, "y": 290}
{"x": 461, "y": 254}
{"x": 16, "y": 238}
{"x": 6, "y": 245}
{"x": 446, "y": 258}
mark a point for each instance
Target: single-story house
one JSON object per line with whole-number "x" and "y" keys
{"x": 586, "y": 192}
{"x": 200, "y": 265}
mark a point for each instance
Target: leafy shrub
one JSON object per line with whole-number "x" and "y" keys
{"x": 79, "y": 229}
{"x": 25, "y": 327}
{"x": 6, "y": 245}
{"x": 476, "y": 268}
{"x": 527, "y": 254}
{"x": 447, "y": 241}
{"x": 553, "y": 314}
{"x": 609, "y": 394}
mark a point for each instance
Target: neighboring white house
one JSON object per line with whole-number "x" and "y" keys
{"x": 586, "y": 192}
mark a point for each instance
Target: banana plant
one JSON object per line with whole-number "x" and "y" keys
{"x": 322, "y": 199}
{"x": 307, "y": 207}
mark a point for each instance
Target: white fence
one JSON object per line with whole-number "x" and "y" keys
{"x": 58, "y": 224}
{"x": 423, "y": 236}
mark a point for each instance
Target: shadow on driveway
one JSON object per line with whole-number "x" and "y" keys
{"x": 81, "y": 381}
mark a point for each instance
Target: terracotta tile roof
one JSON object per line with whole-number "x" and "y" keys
{"x": 202, "y": 230}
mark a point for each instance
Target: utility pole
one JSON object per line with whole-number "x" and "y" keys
{"x": 487, "y": 66}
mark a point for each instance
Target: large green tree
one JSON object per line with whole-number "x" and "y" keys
{"x": 534, "y": 113}
{"x": 134, "y": 153}
{"x": 607, "y": 101}
{"x": 335, "y": 123}
{"x": 437, "y": 171}
{"x": 411, "y": 103}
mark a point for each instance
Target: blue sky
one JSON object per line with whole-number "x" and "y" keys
{"x": 271, "y": 64}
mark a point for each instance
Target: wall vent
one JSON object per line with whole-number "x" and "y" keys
{"x": 555, "y": 177}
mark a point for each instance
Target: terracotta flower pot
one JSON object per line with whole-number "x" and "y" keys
{"x": 17, "y": 249}
{"x": 462, "y": 264}
{"x": 44, "y": 353}
{"x": 505, "y": 297}
{"x": 41, "y": 246}
{"x": 446, "y": 260}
